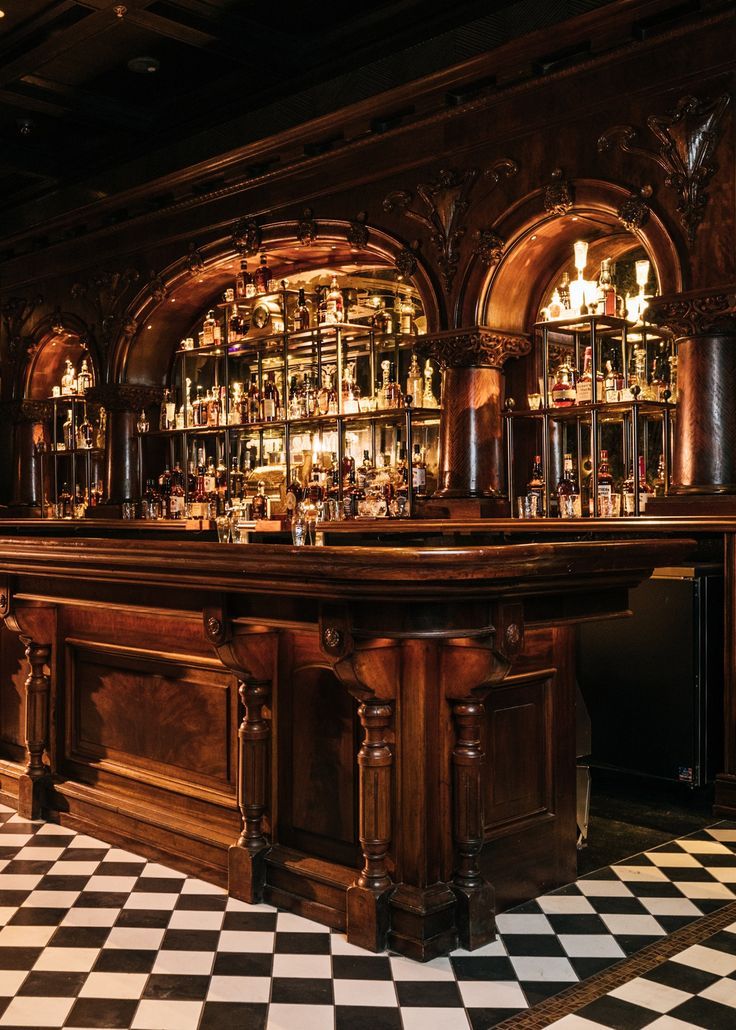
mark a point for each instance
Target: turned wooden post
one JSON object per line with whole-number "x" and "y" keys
{"x": 123, "y": 403}
{"x": 475, "y": 896}
{"x": 30, "y": 437}
{"x": 246, "y": 858}
{"x": 367, "y": 900}
{"x": 33, "y": 782}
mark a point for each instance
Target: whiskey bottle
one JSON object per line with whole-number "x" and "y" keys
{"x": 261, "y": 504}
{"x": 302, "y": 317}
{"x": 208, "y": 329}
{"x": 85, "y": 435}
{"x": 177, "y": 496}
{"x": 568, "y": 492}
{"x": 605, "y": 487}
{"x": 67, "y": 431}
{"x": 262, "y": 276}
{"x": 350, "y": 391}
{"x": 295, "y": 401}
{"x": 333, "y": 304}
{"x": 584, "y": 391}
{"x": 606, "y": 289}
{"x": 69, "y": 380}
{"x": 645, "y": 490}
{"x": 428, "y": 398}
{"x": 536, "y": 484}
{"x": 244, "y": 288}
{"x": 64, "y": 505}
{"x": 406, "y": 315}
{"x": 84, "y": 379}
{"x": 252, "y": 410}
{"x": 415, "y": 383}
{"x": 418, "y": 471}
{"x": 563, "y": 392}
{"x": 271, "y": 404}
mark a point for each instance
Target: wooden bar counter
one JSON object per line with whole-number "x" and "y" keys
{"x": 375, "y": 737}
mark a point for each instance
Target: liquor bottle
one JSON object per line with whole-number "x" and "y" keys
{"x": 149, "y": 505}
{"x": 295, "y": 401}
{"x": 69, "y": 380}
{"x": 169, "y": 407}
{"x": 605, "y": 486}
{"x": 262, "y": 276}
{"x": 323, "y": 394}
{"x": 564, "y": 291}
{"x": 244, "y": 288}
{"x": 302, "y": 317}
{"x": 415, "y": 382}
{"x": 85, "y": 435}
{"x": 645, "y": 490}
{"x": 606, "y": 289}
{"x": 261, "y": 504}
{"x": 253, "y": 408}
{"x": 366, "y": 470}
{"x": 613, "y": 381}
{"x": 536, "y": 484}
{"x": 271, "y": 402}
{"x": 220, "y": 487}
{"x": 84, "y": 379}
{"x": 390, "y": 389}
{"x": 101, "y": 430}
{"x": 568, "y": 492}
{"x": 141, "y": 425}
{"x": 563, "y": 394}
{"x": 213, "y": 407}
{"x": 584, "y": 389}
{"x": 177, "y": 495}
{"x": 334, "y": 304}
{"x": 164, "y": 489}
{"x": 660, "y": 374}
{"x": 67, "y": 432}
{"x": 235, "y": 324}
{"x": 428, "y": 398}
{"x": 209, "y": 480}
{"x": 382, "y": 320}
{"x": 418, "y": 471}
{"x": 235, "y": 408}
{"x": 64, "y": 506}
{"x": 406, "y": 315}
{"x": 208, "y": 329}
{"x": 294, "y": 496}
{"x": 348, "y": 468}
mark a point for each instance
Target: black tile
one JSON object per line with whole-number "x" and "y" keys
{"x": 53, "y": 984}
{"x": 660, "y": 889}
{"x": 62, "y": 883}
{"x": 705, "y": 1013}
{"x": 37, "y": 917}
{"x": 102, "y": 1012}
{"x": 120, "y": 869}
{"x": 600, "y": 874}
{"x": 177, "y": 988}
{"x": 539, "y": 990}
{"x": 302, "y": 944}
{"x": 155, "y": 919}
{"x": 483, "y": 968}
{"x": 362, "y": 1017}
{"x": 19, "y": 827}
{"x": 207, "y": 903}
{"x": 619, "y": 906}
{"x": 19, "y": 958}
{"x": 262, "y": 921}
{"x": 672, "y": 923}
{"x": 361, "y": 967}
{"x": 100, "y": 899}
{"x": 297, "y": 990}
{"x": 80, "y": 936}
{"x": 159, "y": 885}
{"x": 428, "y": 995}
{"x": 84, "y": 855}
{"x": 586, "y": 967}
{"x": 633, "y": 942}
{"x": 13, "y": 899}
{"x": 723, "y": 941}
{"x": 482, "y": 1019}
{"x": 533, "y": 944}
{"x": 28, "y": 867}
{"x": 227, "y": 1015}
{"x": 528, "y": 908}
{"x": 234, "y": 963}
{"x": 577, "y": 924}
{"x": 616, "y": 1013}
{"x": 708, "y": 905}
{"x": 125, "y": 960}
{"x": 681, "y": 977}
{"x": 190, "y": 940}
{"x": 689, "y": 874}
{"x": 717, "y": 861}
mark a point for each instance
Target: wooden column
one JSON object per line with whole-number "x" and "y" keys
{"x": 471, "y": 425}
{"x": 30, "y": 438}
{"x": 33, "y": 783}
{"x": 246, "y": 858}
{"x": 123, "y": 403}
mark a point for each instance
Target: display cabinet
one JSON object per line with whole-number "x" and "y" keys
{"x": 76, "y": 455}
{"x": 607, "y": 386}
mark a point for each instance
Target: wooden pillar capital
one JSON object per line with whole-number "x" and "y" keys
{"x": 479, "y": 346}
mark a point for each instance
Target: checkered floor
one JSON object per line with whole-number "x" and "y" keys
{"x": 94, "y": 936}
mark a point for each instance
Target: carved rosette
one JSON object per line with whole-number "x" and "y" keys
{"x": 479, "y": 346}
{"x": 156, "y": 287}
{"x": 246, "y": 236}
{"x": 406, "y": 263}
{"x": 559, "y": 194}
{"x": 306, "y": 229}
{"x": 488, "y": 247}
{"x": 357, "y": 234}
{"x": 125, "y": 396}
{"x": 634, "y": 211}
{"x": 194, "y": 259}
{"x": 698, "y": 314}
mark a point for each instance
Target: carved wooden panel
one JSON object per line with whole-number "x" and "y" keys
{"x": 148, "y": 716}
{"x": 13, "y": 672}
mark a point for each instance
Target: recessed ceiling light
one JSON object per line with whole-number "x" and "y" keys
{"x": 143, "y": 65}
{"x": 2, "y": 14}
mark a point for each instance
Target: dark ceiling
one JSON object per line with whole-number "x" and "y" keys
{"x": 70, "y": 104}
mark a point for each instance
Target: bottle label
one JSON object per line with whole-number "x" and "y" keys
{"x": 565, "y": 395}
{"x": 176, "y": 505}
{"x": 584, "y": 391}
{"x": 210, "y": 484}
{"x": 418, "y": 478}
{"x": 629, "y": 503}
{"x": 269, "y": 408}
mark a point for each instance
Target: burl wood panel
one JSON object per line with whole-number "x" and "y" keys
{"x": 13, "y": 672}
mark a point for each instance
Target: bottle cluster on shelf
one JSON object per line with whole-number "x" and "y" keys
{"x": 576, "y": 297}
{"x": 646, "y": 379}
{"x": 73, "y": 383}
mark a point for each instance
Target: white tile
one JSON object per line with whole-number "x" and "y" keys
{"x": 82, "y": 841}
{"x": 508, "y": 922}
{"x": 427, "y": 1019}
{"x": 51, "y": 899}
{"x": 67, "y": 960}
{"x": 604, "y": 889}
{"x": 712, "y": 961}
{"x": 671, "y": 1023}
{"x": 111, "y": 884}
{"x": 186, "y": 920}
{"x": 494, "y": 949}
{"x": 304, "y": 1017}
{"x": 31, "y": 1011}
{"x": 565, "y": 904}
{"x": 185, "y": 963}
{"x": 114, "y": 985}
{"x": 246, "y": 940}
{"x": 673, "y": 859}
{"x": 590, "y": 945}
{"x": 166, "y": 900}
{"x": 14, "y": 840}
{"x": 722, "y": 991}
{"x": 191, "y": 886}
{"x": 26, "y": 936}
{"x": 118, "y": 855}
{"x": 255, "y": 989}
{"x": 53, "y": 830}
{"x": 167, "y": 1015}
{"x": 135, "y": 937}
{"x": 704, "y": 847}
{"x": 492, "y": 994}
{"x": 90, "y": 917}
{"x": 289, "y": 922}
{"x": 162, "y": 871}
{"x": 702, "y": 889}
{"x": 626, "y": 924}
{"x": 722, "y": 834}
{"x": 311, "y": 966}
{"x": 670, "y": 907}
{"x": 724, "y": 873}
{"x": 20, "y": 882}
{"x": 6, "y": 913}
{"x": 542, "y": 967}
{"x": 235, "y": 905}
{"x": 573, "y": 1022}
{"x": 650, "y": 995}
{"x": 73, "y": 868}
{"x": 340, "y": 946}
{"x": 33, "y": 853}
{"x": 645, "y": 873}
{"x": 10, "y": 981}
{"x": 436, "y": 969}
{"x": 380, "y": 993}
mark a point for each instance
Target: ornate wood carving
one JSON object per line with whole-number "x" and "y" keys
{"x": 375, "y": 762}
{"x": 406, "y": 261}
{"x": 246, "y": 236}
{"x": 106, "y": 293}
{"x": 697, "y": 314}
{"x": 254, "y": 736}
{"x": 357, "y": 234}
{"x": 687, "y": 139}
{"x": 16, "y": 312}
{"x": 306, "y": 229}
{"x": 32, "y": 411}
{"x": 559, "y": 194}
{"x": 634, "y": 211}
{"x": 488, "y": 247}
{"x": 125, "y": 396}
{"x": 156, "y": 287}
{"x": 478, "y": 346}
{"x": 194, "y": 259}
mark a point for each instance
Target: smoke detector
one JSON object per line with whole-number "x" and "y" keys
{"x": 143, "y": 65}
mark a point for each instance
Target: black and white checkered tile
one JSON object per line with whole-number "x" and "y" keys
{"x": 94, "y": 936}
